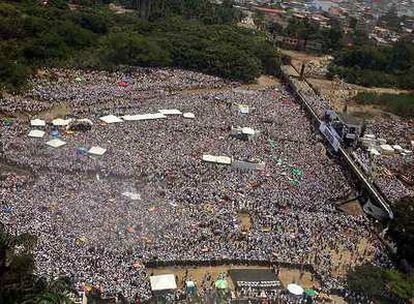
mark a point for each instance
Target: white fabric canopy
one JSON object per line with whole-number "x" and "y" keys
{"x": 96, "y": 150}
{"x": 189, "y": 115}
{"x": 37, "y": 123}
{"x": 61, "y": 122}
{"x": 143, "y": 116}
{"x": 248, "y": 131}
{"x": 56, "y": 143}
{"x": 36, "y": 133}
{"x": 224, "y": 160}
{"x": 110, "y": 119}
{"x": 170, "y": 112}
{"x": 163, "y": 282}
{"x": 295, "y": 289}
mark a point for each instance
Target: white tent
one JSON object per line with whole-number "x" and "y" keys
{"x": 224, "y": 160}
{"x": 61, "y": 122}
{"x": 170, "y": 112}
{"x": 36, "y": 133}
{"x": 96, "y": 150}
{"x": 37, "y": 123}
{"x": 110, "y": 119}
{"x": 56, "y": 143}
{"x": 248, "y": 131}
{"x": 163, "y": 282}
{"x": 189, "y": 115}
{"x": 295, "y": 289}
{"x": 143, "y": 116}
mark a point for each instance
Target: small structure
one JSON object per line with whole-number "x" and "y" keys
{"x": 189, "y": 115}
{"x": 163, "y": 282}
{"x": 245, "y": 133}
{"x": 170, "y": 112}
{"x": 37, "y": 123}
{"x": 36, "y": 133}
{"x": 257, "y": 280}
{"x": 149, "y": 116}
{"x": 59, "y": 122}
{"x": 96, "y": 150}
{"x": 387, "y": 149}
{"x": 109, "y": 119}
{"x": 295, "y": 289}
{"x": 223, "y": 160}
{"x": 55, "y": 143}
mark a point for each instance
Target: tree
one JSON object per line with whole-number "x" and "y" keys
{"x": 381, "y": 283}
{"x": 367, "y": 279}
{"x": 18, "y": 284}
{"x": 402, "y": 228}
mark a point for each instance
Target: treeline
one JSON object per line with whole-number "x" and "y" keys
{"x": 369, "y": 65}
{"x": 188, "y": 34}
{"x": 399, "y": 104}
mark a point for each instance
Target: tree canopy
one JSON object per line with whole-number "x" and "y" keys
{"x": 188, "y": 34}
{"x": 18, "y": 284}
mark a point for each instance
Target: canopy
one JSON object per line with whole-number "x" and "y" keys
{"x": 310, "y": 292}
{"x": 61, "y": 122}
{"x": 248, "y": 131}
{"x": 110, "y": 119}
{"x": 56, "y": 143}
{"x": 36, "y": 133}
{"x": 224, "y": 160}
{"x": 221, "y": 284}
{"x": 170, "y": 112}
{"x": 295, "y": 289}
{"x": 163, "y": 282}
{"x": 96, "y": 150}
{"x": 149, "y": 116}
{"x": 123, "y": 84}
{"x": 37, "y": 123}
{"x": 189, "y": 115}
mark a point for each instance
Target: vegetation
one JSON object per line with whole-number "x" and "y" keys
{"x": 369, "y": 65}
{"x": 402, "y": 228}
{"x": 399, "y": 104}
{"x": 189, "y": 34}
{"x": 18, "y": 284}
{"x": 381, "y": 284}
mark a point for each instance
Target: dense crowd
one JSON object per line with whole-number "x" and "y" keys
{"x": 392, "y": 129}
{"x": 92, "y": 229}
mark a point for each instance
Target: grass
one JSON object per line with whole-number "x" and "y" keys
{"x": 399, "y": 104}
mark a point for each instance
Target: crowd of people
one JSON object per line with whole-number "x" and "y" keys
{"x": 393, "y": 129}
{"x": 91, "y": 228}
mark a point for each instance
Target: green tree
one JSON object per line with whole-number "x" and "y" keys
{"x": 18, "y": 284}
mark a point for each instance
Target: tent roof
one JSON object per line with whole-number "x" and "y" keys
{"x": 110, "y": 119}
{"x": 143, "y": 116}
{"x": 56, "y": 143}
{"x": 224, "y": 160}
{"x": 189, "y": 115}
{"x": 36, "y": 133}
{"x": 61, "y": 122}
{"x": 295, "y": 289}
{"x": 96, "y": 150}
{"x": 38, "y": 122}
{"x": 163, "y": 282}
{"x": 170, "y": 112}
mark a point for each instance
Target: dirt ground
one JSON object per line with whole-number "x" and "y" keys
{"x": 286, "y": 275}
{"x": 352, "y": 208}
{"x": 336, "y": 91}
